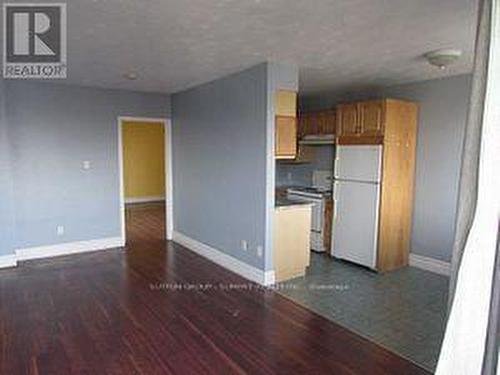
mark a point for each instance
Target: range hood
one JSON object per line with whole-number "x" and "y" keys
{"x": 320, "y": 139}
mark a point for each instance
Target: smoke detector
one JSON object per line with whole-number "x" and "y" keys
{"x": 443, "y": 57}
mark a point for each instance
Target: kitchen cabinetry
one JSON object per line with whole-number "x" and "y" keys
{"x": 361, "y": 123}
{"x": 285, "y": 106}
{"x": 285, "y": 103}
{"x": 286, "y": 137}
{"x": 292, "y": 230}
{"x": 347, "y": 120}
{"x": 305, "y": 155}
{"x": 372, "y": 222}
{"x": 317, "y": 123}
{"x": 371, "y": 115}
{"x": 327, "y": 224}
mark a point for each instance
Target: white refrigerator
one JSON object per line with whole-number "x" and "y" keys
{"x": 356, "y": 195}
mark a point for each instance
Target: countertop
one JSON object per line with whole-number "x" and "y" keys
{"x": 287, "y": 202}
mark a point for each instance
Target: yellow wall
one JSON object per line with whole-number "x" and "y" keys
{"x": 143, "y": 159}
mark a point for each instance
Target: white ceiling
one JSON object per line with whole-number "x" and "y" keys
{"x": 337, "y": 44}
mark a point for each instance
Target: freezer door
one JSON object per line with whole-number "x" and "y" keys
{"x": 355, "y": 222}
{"x": 358, "y": 163}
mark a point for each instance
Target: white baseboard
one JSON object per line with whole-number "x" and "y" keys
{"x": 68, "y": 248}
{"x": 7, "y": 261}
{"x": 227, "y": 261}
{"x": 430, "y": 264}
{"x": 145, "y": 199}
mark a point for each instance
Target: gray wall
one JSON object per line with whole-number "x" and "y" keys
{"x": 280, "y": 77}
{"x": 219, "y": 162}
{"x": 52, "y": 128}
{"x": 443, "y": 108}
{"x": 223, "y": 161}
{"x": 301, "y": 174}
{"x": 6, "y": 192}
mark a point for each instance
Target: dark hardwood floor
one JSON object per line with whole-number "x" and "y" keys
{"x": 158, "y": 308}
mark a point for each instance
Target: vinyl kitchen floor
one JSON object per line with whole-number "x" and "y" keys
{"x": 403, "y": 310}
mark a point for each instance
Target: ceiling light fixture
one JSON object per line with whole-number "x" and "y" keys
{"x": 443, "y": 57}
{"x": 130, "y": 76}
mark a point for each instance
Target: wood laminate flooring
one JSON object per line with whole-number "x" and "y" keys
{"x": 157, "y": 308}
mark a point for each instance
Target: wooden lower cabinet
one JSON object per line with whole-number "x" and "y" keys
{"x": 292, "y": 233}
{"x": 327, "y": 224}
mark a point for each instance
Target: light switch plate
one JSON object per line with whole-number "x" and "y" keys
{"x": 244, "y": 245}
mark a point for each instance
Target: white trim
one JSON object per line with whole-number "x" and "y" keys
{"x": 227, "y": 261}
{"x": 68, "y": 248}
{"x": 167, "y": 124}
{"x": 430, "y": 264}
{"x": 122, "y": 183}
{"x": 158, "y": 198}
{"x": 169, "y": 206}
{"x": 7, "y": 261}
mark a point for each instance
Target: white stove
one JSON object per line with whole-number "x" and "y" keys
{"x": 316, "y": 194}
{"x": 311, "y": 192}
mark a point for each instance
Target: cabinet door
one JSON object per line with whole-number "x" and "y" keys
{"x": 322, "y": 123}
{"x": 312, "y": 124}
{"x": 347, "y": 119}
{"x": 303, "y": 124}
{"x": 285, "y": 103}
{"x": 286, "y": 137}
{"x": 330, "y": 122}
{"x": 371, "y": 115}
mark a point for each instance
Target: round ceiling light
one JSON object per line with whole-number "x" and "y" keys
{"x": 443, "y": 57}
{"x": 130, "y": 76}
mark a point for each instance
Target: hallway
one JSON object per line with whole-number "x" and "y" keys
{"x": 145, "y": 221}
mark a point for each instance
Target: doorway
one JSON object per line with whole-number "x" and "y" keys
{"x": 145, "y": 183}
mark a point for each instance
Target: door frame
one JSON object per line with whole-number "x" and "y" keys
{"x": 169, "y": 209}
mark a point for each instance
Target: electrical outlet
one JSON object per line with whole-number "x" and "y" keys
{"x": 86, "y": 165}
{"x": 289, "y": 176}
{"x": 244, "y": 245}
{"x": 259, "y": 251}
{"x": 60, "y": 230}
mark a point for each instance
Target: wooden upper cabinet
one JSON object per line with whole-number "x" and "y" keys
{"x": 312, "y": 124}
{"x": 286, "y": 137}
{"x": 329, "y": 123}
{"x": 285, "y": 103}
{"x": 317, "y": 123}
{"x": 347, "y": 120}
{"x": 361, "y": 123}
{"x": 303, "y": 125}
{"x": 285, "y": 108}
{"x": 371, "y": 118}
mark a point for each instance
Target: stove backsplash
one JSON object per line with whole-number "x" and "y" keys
{"x": 301, "y": 174}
